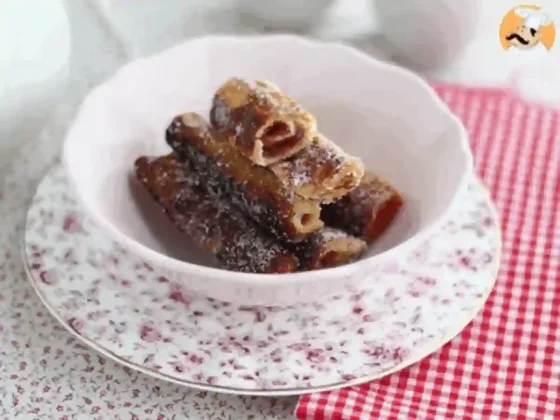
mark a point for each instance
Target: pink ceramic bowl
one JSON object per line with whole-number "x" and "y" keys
{"x": 386, "y": 115}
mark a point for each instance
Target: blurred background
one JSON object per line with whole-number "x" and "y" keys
{"x": 52, "y": 52}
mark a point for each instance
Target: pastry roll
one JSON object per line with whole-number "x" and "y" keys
{"x": 367, "y": 210}
{"x": 322, "y": 171}
{"x": 213, "y": 225}
{"x": 265, "y": 125}
{"x": 328, "y": 248}
{"x": 224, "y": 172}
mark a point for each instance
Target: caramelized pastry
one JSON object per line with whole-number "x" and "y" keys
{"x": 212, "y": 224}
{"x": 329, "y": 248}
{"x": 322, "y": 171}
{"x": 265, "y": 125}
{"x": 367, "y": 210}
{"x": 224, "y": 172}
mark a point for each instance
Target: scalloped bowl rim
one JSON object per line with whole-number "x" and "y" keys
{"x": 184, "y": 267}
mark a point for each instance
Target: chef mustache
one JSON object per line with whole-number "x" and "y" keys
{"x": 518, "y": 37}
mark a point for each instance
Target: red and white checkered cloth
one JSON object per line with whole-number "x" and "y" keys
{"x": 506, "y": 363}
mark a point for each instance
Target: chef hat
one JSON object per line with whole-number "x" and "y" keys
{"x": 532, "y": 18}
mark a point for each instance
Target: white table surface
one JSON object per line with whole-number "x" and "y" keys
{"x": 39, "y": 361}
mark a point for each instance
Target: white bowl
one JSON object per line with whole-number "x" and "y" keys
{"x": 386, "y": 115}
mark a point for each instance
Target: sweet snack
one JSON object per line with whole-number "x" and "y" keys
{"x": 264, "y": 124}
{"x": 329, "y": 247}
{"x": 254, "y": 189}
{"x": 262, "y": 190}
{"x": 211, "y": 223}
{"x": 367, "y": 210}
{"x": 321, "y": 171}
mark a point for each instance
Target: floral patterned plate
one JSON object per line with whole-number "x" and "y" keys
{"x": 121, "y": 307}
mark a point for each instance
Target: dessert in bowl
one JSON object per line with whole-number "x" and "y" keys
{"x": 387, "y": 123}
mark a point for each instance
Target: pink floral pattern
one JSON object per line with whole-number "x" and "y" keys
{"x": 131, "y": 313}
{"x": 46, "y": 373}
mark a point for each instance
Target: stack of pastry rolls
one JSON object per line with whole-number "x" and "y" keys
{"x": 262, "y": 189}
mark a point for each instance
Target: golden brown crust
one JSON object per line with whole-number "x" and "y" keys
{"x": 366, "y": 211}
{"x": 212, "y": 224}
{"x": 322, "y": 171}
{"x": 263, "y": 123}
{"x": 329, "y": 248}
{"x": 252, "y": 188}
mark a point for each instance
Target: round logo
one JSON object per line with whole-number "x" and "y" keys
{"x": 527, "y": 27}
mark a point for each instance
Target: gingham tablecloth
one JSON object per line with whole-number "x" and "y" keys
{"x": 506, "y": 363}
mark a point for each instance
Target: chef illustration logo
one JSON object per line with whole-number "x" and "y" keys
{"x": 527, "y": 30}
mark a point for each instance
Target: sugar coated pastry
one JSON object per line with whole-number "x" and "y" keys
{"x": 262, "y": 189}
{"x": 329, "y": 248}
{"x": 252, "y": 188}
{"x": 366, "y": 211}
{"x": 322, "y": 171}
{"x": 212, "y": 224}
{"x": 262, "y": 122}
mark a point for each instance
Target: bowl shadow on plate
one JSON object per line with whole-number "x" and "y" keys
{"x": 167, "y": 238}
